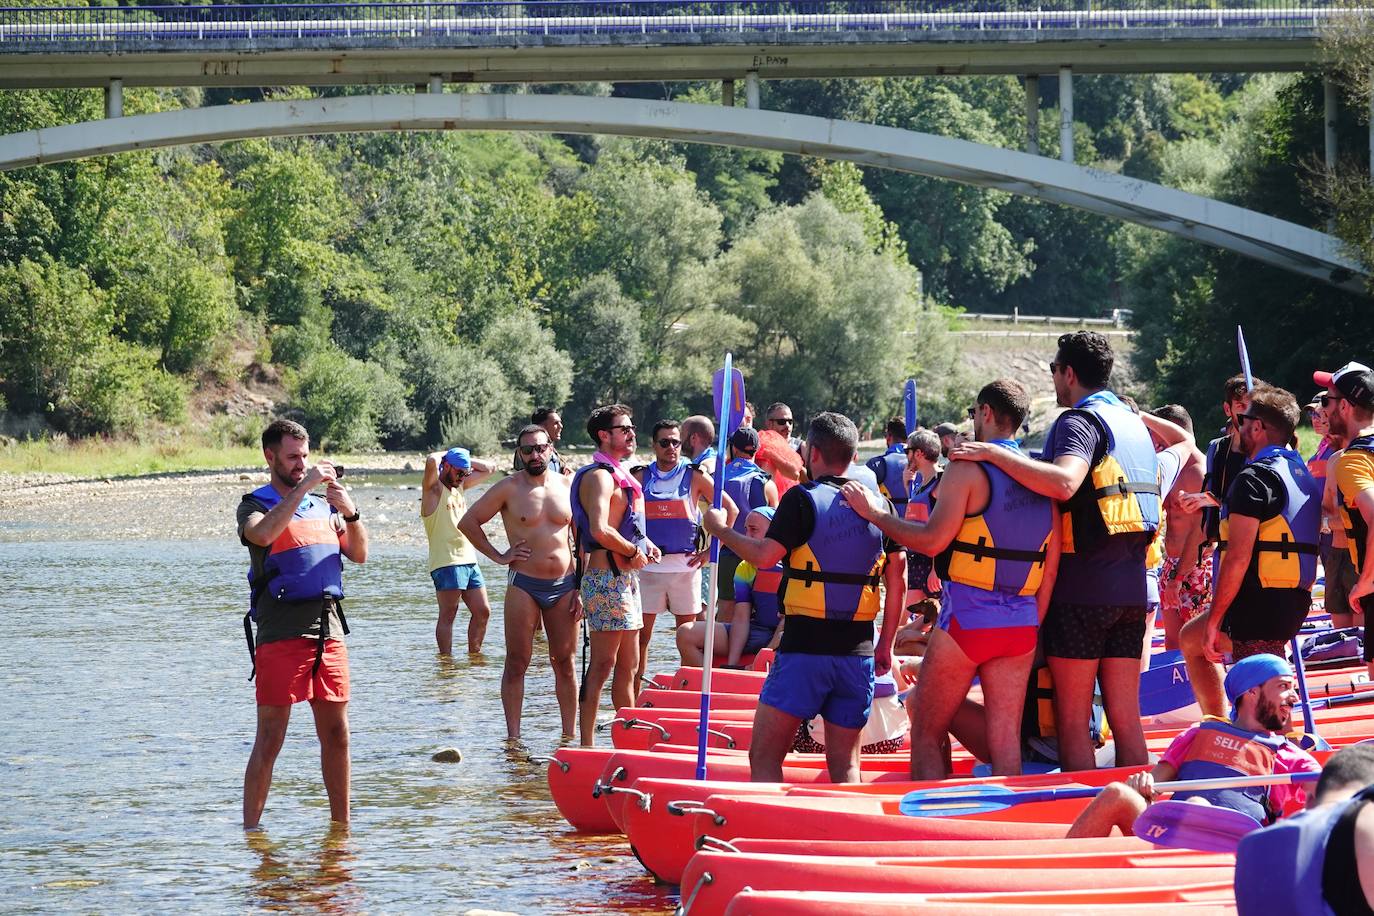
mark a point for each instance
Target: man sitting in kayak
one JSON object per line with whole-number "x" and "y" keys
{"x": 1252, "y": 742}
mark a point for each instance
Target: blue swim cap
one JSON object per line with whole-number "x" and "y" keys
{"x": 459, "y": 458}
{"x": 1251, "y": 672}
{"x": 766, "y": 511}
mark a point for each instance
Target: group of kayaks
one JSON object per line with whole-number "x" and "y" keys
{"x": 809, "y": 846}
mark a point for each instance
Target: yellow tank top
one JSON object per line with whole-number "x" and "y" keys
{"x": 447, "y": 545}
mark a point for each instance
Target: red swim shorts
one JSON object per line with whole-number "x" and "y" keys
{"x": 284, "y": 677}
{"x": 994, "y": 642}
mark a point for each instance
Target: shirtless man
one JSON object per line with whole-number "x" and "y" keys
{"x": 535, "y": 510}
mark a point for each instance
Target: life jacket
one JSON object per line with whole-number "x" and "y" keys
{"x": 708, "y": 454}
{"x": 1316, "y": 465}
{"x": 670, "y": 516}
{"x": 1303, "y": 865}
{"x": 1356, "y": 525}
{"x": 763, "y": 586}
{"x": 631, "y": 527}
{"x": 1285, "y": 554}
{"x": 1154, "y": 556}
{"x": 1120, "y": 495}
{"x": 1002, "y": 548}
{"x": 303, "y": 564}
{"x": 836, "y": 573}
{"x": 1037, "y": 714}
{"x": 1221, "y": 748}
{"x": 889, "y": 469}
{"x": 744, "y": 481}
{"x": 921, "y": 499}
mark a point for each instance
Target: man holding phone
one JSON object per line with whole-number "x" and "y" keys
{"x": 1269, "y": 528}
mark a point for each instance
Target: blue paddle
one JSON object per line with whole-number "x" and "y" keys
{"x": 910, "y": 409}
{"x": 727, "y": 388}
{"x": 961, "y": 801}
{"x": 1165, "y": 687}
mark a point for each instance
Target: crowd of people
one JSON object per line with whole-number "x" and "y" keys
{"x": 1040, "y": 575}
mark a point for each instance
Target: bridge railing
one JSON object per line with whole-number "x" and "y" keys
{"x": 412, "y": 20}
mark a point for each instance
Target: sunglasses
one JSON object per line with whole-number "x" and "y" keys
{"x": 1242, "y": 417}
{"x": 626, "y": 428}
{"x": 528, "y": 450}
{"x": 1055, "y": 367}
{"x": 971, "y": 412}
{"x": 670, "y": 443}
{"x": 780, "y": 421}
{"x": 1326, "y": 399}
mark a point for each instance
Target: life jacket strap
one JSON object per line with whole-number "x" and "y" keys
{"x": 981, "y": 549}
{"x": 324, "y": 629}
{"x": 1287, "y": 547}
{"x": 252, "y": 650}
{"x": 836, "y": 578}
{"x": 1127, "y": 486}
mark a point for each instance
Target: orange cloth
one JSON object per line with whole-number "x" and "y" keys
{"x": 776, "y": 456}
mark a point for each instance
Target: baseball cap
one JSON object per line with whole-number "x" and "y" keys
{"x": 746, "y": 439}
{"x": 459, "y": 458}
{"x": 1316, "y": 400}
{"x": 946, "y": 429}
{"x": 1355, "y": 382}
{"x": 1251, "y": 672}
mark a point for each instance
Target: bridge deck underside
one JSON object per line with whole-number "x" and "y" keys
{"x": 632, "y": 56}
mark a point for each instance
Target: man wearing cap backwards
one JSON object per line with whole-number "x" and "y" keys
{"x": 540, "y": 585}
{"x": 1262, "y": 691}
{"x": 996, "y": 545}
{"x": 1350, "y": 415}
{"x": 757, "y": 620}
{"x": 452, "y": 562}
{"x": 672, "y": 491}
{"x": 1269, "y": 531}
{"x": 748, "y": 488}
{"x": 833, "y": 564}
{"x": 949, "y": 437}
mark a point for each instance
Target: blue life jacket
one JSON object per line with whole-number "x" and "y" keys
{"x": 1285, "y": 554}
{"x": 1222, "y": 749}
{"x": 889, "y": 469}
{"x": 670, "y": 516}
{"x": 1303, "y": 865}
{"x": 744, "y": 481}
{"x": 709, "y": 454}
{"x": 920, "y": 501}
{"x": 864, "y": 475}
{"x": 1356, "y": 525}
{"x": 1002, "y": 548}
{"x": 630, "y": 528}
{"x": 303, "y": 564}
{"x": 835, "y": 574}
{"x": 1120, "y": 495}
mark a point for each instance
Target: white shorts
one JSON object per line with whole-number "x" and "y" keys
{"x": 679, "y": 592}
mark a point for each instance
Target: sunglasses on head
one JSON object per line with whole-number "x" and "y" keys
{"x": 531, "y": 449}
{"x": 670, "y": 443}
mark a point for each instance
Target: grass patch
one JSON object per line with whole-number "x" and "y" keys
{"x": 122, "y": 458}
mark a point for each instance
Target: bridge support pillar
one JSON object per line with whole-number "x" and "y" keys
{"x": 727, "y": 93}
{"x": 751, "y": 89}
{"x": 1033, "y": 114}
{"x": 114, "y": 98}
{"x": 1371, "y": 124}
{"x": 1066, "y": 114}
{"x": 436, "y": 84}
{"x": 1329, "y": 101}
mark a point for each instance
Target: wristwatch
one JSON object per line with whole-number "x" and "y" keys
{"x": 350, "y": 519}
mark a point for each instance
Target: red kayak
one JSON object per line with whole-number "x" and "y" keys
{"x": 1195, "y": 900}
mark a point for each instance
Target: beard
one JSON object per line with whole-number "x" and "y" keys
{"x": 536, "y": 468}
{"x": 1272, "y": 716}
{"x": 288, "y": 476}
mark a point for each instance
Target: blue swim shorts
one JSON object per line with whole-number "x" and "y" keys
{"x": 461, "y": 577}
{"x": 838, "y": 687}
{"x": 758, "y": 637}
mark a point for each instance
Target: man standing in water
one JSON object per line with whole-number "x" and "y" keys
{"x": 608, "y": 513}
{"x": 295, "y": 542}
{"x": 549, "y": 418}
{"x": 452, "y": 562}
{"x": 540, "y": 585}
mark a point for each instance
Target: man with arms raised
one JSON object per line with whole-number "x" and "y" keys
{"x": 1262, "y": 691}
{"x": 672, "y": 491}
{"x": 540, "y": 585}
{"x": 833, "y": 562}
{"x": 295, "y": 540}
{"x": 1350, "y": 414}
{"x": 1099, "y": 463}
{"x": 997, "y": 547}
{"x": 608, "y": 518}
{"x": 1269, "y": 527}
{"x": 452, "y": 562}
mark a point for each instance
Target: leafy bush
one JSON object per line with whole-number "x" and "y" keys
{"x": 347, "y": 403}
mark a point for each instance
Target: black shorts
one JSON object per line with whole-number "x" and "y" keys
{"x": 1094, "y": 631}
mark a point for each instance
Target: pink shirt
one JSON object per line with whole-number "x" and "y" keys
{"x": 1289, "y": 759}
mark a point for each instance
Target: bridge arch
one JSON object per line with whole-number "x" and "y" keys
{"x": 1255, "y": 235}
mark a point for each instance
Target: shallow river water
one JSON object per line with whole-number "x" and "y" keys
{"x": 126, "y": 718}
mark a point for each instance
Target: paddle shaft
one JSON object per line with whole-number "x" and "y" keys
{"x": 717, "y": 494}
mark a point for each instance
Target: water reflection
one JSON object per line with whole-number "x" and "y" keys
{"x": 322, "y": 882}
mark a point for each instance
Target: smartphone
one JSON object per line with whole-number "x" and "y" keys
{"x": 338, "y": 470}
{"x": 1205, "y": 499}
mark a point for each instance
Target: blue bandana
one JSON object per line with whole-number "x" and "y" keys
{"x": 1252, "y": 672}
{"x": 459, "y": 458}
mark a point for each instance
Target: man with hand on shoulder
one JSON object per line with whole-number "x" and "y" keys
{"x": 296, "y": 541}
{"x": 452, "y": 562}
{"x": 833, "y": 564}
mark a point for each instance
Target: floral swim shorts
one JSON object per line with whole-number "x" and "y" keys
{"x": 1194, "y": 589}
{"x": 610, "y": 601}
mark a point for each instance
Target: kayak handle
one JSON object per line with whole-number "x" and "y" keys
{"x": 706, "y": 841}
{"x": 729, "y": 742}
{"x": 684, "y": 807}
{"x": 685, "y": 906}
{"x": 562, "y": 764}
{"x": 640, "y": 723}
{"x": 617, "y": 775}
{"x": 601, "y": 789}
